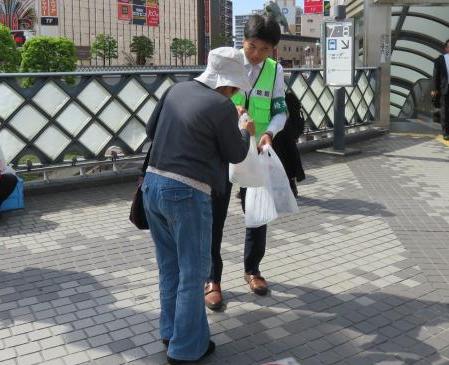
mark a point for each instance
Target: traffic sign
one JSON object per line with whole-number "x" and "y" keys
{"x": 339, "y": 53}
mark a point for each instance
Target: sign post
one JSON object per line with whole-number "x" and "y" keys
{"x": 339, "y": 68}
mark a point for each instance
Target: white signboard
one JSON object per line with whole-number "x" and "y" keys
{"x": 339, "y": 53}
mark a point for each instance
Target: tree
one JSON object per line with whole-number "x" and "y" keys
{"x": 48, "y": 54}
{"x": 104, "y": 47}
{"x": 221, "y": 40}
{"x": 182, "y": 49}
{"x": 9, "y": 55}
{"x": 143, "y": 48}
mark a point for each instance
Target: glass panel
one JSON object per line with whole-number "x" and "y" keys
{"x": 363, "y": 82}
{"x": 317, "y": 116}
{"x": 134, "y": 134}
{"x": 11, "y": 145}
{"x": 94, "y": 96}
{"x": 299, "y": 87}
{"x": 425, "y": 26}
{"x": 406, "y": 73}
{"x": 400, "y": 89}
{"x": 73, "y": 118}
{"x": 362, "y": 110}
{"x": 349, "y": 111}
{"x": 52, "y": 142}
{"x": 318, "y": 84}
{"x": 327, "y": 99}
{"x": 308, "y": 102}
{"x": 95, "y": 138}
{"x": 397, "y": 99}
{"x": 440, "y": 12}
{"x": 145, "y": 112}
{"x": 369, "y": 96}
{"x": 394, "y": 111}
{"x": 10, "y": 101}
{"x": 414, "y": 60}
{"x": 394, "y": 22}
{"x": 418, "y": 47}
{"x": 133, "y": 94}
{"x": 356, "y": 96}
{"x": 51, "y": 98}
{"x": 164, "y": 86}
{"x": 28, "y": 121}
{"x": 114, "y": 115}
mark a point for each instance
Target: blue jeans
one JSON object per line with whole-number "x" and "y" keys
{"x": 180, "y": 220}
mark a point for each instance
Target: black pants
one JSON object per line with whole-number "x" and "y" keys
{"x": 255, "y": 239}
{"x": 444, "y": 114}
{"x": 7, "y": 185}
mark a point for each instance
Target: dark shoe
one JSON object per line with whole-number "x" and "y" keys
{"x": 210, "y": 349}
{"x": 212, "y": 296}
{"x": 446, "y": 137}
{"x": 257, "y": 284}
{"x": 165, "y": 342}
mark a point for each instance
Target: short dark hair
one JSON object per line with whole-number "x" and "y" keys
{"x": 263, "y": 28}
{"x": 446, "y": 44}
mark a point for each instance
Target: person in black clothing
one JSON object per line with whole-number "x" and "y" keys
{"x": 284, "y": 143}
{"x": 8, "y": 181}
{"x": 441, "y": 88}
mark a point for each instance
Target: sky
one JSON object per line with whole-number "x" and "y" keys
{"x": 242, "y": 7}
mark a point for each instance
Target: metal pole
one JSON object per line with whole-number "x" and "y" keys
{"x": 339, "y": 100}
{"x": 339, "y": 119}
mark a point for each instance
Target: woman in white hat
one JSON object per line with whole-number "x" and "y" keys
{"x": 195, "y": 135}
{"x": 8, "y": 179}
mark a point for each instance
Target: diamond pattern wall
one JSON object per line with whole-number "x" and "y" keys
{"x": 96, "y": 113}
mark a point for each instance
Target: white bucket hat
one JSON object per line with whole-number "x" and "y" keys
{"x": 225, "y": 67}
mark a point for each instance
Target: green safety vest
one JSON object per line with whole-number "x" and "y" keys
{"x": 260, "y": 97}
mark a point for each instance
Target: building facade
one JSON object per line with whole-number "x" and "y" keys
{"x": 298, "y": 51}
{"x": 311, "y": 25}
{"x": 82, "y": 20}
{"x": 240, "y": 21}
{"x": 218, "y": 24}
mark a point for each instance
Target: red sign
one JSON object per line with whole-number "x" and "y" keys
{"x": 125, "y": 11}
{"x": 153, "y": 15}
{"x": 45, "y": 8}
{"x": 53, "y": 5}
{"x": 11, "y": 22}
{"x": 313, "y": 6}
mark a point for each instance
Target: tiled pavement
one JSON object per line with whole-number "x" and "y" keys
{"x": 359, "y": 276}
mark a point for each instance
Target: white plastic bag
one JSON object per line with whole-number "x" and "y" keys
{"x": 278, "y": 184}
{"x": 265, "y": 204}
{"x": 249, "y": 172}
{"x": 260, "y": 208}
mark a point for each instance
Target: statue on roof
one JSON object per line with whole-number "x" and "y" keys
{"x": 273, "y": 10}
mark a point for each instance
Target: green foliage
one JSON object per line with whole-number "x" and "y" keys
{"x": 143, "y": 48}
{"x": 104, "y": 47}
{"x": 48, "y": 54}
{"x": 221, "y": 40}
{"x": 9, "y": 55}
{"x": 182, "y": 49}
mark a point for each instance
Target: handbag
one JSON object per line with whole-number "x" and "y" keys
{"x": 137, "y": 213}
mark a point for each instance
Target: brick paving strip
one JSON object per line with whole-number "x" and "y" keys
{"x": 359, "y": 276}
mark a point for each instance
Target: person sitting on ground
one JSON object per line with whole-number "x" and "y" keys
{"x": 8, "y": 179}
